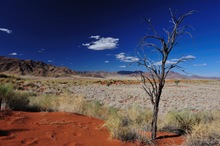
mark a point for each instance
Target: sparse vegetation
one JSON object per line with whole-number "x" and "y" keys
{"x": 177, "y": 82}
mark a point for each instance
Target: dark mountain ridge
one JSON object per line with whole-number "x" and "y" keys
{"x": 30, "y": 67}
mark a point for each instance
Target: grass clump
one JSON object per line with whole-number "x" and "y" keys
{"x": 205, "y": 133}
{"x": 74, "y": 103}
{"x": 65, "y": 103}
{"x": 129, "y": 125}
{"x": 11, "y": 99}
{"x": 119, "y": 127}
{"x": 139, "y": 117}
{"x": 43, "y": 102}
{"x": 97, "y": 110}
{"x": 185, "y": 120}
{"x": 70, "y": 103}
{"x": 19, "y": 101}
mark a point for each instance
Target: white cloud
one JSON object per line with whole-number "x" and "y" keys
{"x": 168, "y": 62}
{"x": 41, "y": 50}
{"x": 102, "y": 43}
{"x": 122, "y": 66}
{"x": 126, "y": 58}
{"x": 204, "y": 64}
{"x": 173, "y": 61}
{"x": 95, "y": 37}
{"x": 106, "y": 61}
{"x": 188, "y": 57}
{"x": 49, "y": 60}
{"x": 13, "y": 54}
{"x": 6, "y": 30}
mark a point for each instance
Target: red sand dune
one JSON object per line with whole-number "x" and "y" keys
{"x": 60, "y": 129}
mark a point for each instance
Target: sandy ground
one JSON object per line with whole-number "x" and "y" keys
{"x": 63, "y": 129}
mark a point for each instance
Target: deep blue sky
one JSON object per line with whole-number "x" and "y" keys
{"x": 103, "y": 34}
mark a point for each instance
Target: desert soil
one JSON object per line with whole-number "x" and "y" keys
{"x": 63, "y": 129}
{"x": 194, "y": 95}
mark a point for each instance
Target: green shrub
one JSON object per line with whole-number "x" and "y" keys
{"x": 177, "y": 82}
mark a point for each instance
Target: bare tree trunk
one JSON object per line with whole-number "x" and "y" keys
{"x": 0, "y": 104}
{"x": 154, "y": 121}
{"x": 155, "y": 112}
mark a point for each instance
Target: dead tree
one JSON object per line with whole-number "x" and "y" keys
{"x": 154, "y": 82}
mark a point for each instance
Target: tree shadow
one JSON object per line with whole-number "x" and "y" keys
{"x": 8, "y": 132}
{"x": 168, "y": 136}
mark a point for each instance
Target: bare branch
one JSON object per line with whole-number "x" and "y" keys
{"x": 151, "y": 26}
{"x": 175, "y": 65}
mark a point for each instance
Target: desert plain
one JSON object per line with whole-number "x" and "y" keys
{"x": 60, "y": 124}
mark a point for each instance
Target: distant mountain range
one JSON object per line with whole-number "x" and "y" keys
{"x": 30, "y": 67}
{"x": 38, "y": 68}
{"x": 171, "y": 74}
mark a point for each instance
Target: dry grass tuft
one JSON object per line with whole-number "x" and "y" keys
{"x": 129, "y": 125}
{"x": 186, "y": 119}
{"x": 204, "y": 135}
{"x": 74, "y": 104}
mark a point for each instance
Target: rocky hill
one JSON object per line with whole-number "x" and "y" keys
{"x": 30, "y": 67}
